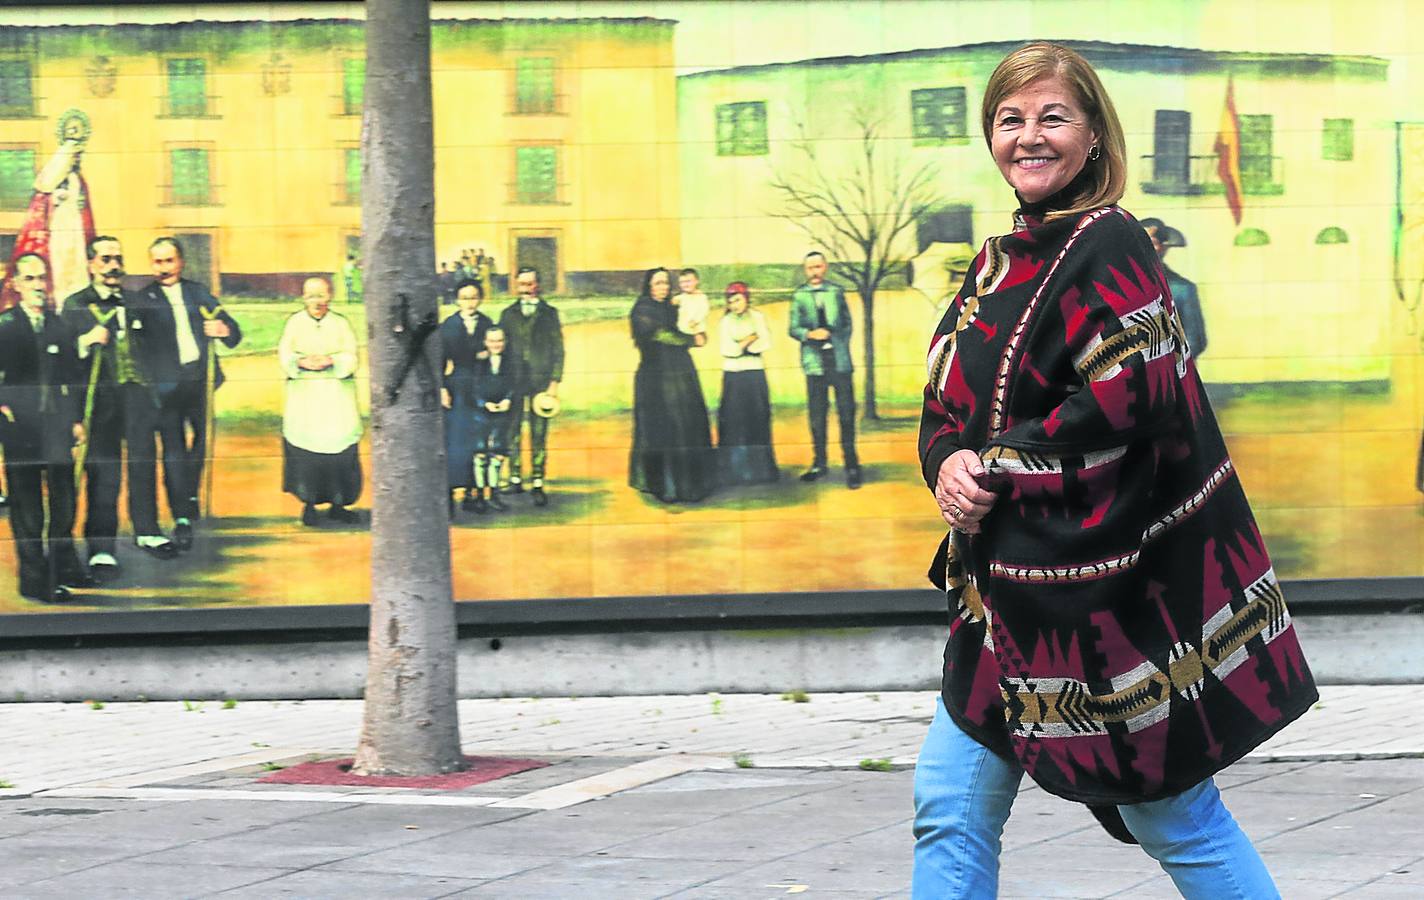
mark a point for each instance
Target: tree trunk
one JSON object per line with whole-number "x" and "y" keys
{"x": 867, "y": 307}
{"x": 410, "y": 725}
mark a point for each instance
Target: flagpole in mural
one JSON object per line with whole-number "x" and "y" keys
{"x": 410, "y": 725}
{"x": 1228, "y": 152}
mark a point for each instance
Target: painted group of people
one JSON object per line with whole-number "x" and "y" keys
{"x": 501, "y": 378}
{"x": 473, "y": 265}
{"x": 672, "y": 456}
{"x": 117, "y": 374}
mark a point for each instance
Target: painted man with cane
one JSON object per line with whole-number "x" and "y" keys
{"x": 120, "y": 412}
{"x": 181, "y": 321}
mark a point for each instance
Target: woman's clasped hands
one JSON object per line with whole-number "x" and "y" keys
{"x": 962, "y": 502}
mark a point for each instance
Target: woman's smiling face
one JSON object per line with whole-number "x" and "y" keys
{"x": 1041, "y": 138}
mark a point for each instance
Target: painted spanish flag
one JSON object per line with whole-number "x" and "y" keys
{"x": 1228, "y": 153}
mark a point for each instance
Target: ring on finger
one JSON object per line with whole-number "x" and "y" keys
{"x": 956, "y": 512}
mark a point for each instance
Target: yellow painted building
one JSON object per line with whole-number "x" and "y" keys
{"x": 1299, "y": 291}
{"x": 244, "y": 138}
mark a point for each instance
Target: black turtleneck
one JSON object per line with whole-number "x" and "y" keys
{"x": 1062, "y": 199}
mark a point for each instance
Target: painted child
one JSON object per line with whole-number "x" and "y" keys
{"x": 494, "y": 383}
{"x": 692, "y": 305}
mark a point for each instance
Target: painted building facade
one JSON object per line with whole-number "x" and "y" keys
{"x": 244, "y": 139}
{"x": 1318, "y": 178}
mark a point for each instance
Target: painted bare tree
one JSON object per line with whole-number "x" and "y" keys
{"x": 410, "y": 725}
{"x": 856, "y": 207}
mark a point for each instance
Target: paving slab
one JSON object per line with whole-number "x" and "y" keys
{"x": 605, "y": 876}
{"x": 861, "y": 866}
{"x": 1382, "y": 890}
{"x": 132, "y": 878}
{"x": 461, "y": 857}
{"x": 311, "y": 841}
{"x": 325, "y": 885}
{"x": 35, "y": 856}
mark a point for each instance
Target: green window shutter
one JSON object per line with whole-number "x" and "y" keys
{"x": 190, "y": 176}
{"x": 534, "y": 85}
{"x": 536, "y": 174}
{"x": 353, "y": 85}
{"x": 741, "y": 129}
{"x": 353, "y": 174}
{"x": 187, "y": 87}
{"x": 1257, "y": 146}
{"x": 726, "y": 130}
{"x": 17, "y": 89}
{"x": 17, "y": 177}
{"x": 1338, "y": 140}
{"x": 1171, "y": 148}
{"x": 938, "y": 115}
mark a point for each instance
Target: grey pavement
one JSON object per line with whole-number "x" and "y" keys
{"x": 737, "y": 796}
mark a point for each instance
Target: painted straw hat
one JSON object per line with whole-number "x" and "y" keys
{"x": 545, "y": 405}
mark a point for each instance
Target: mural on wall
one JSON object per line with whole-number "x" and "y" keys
{"x": 688, "y": 277}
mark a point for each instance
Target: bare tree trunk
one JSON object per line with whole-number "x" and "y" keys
{"x": 410, "y": 725}
{"x": 867, "y": 305}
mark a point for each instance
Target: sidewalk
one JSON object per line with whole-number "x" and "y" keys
{"x": 696, "y": 796}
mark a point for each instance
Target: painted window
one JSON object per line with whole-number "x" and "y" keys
{"x": 190, "y": 171}
{"x": 939, "y": 116}
{"x": 353, "y": 85}
{"x": 741, "y": 129}
{"x": 536, "y": 178}
{"x": 17, "y": 177}
{"x": 187, "y": 87}
{"x": 1338, "y": 140}
{"x": 534, "y": 85}
{"x": 351, "y": 171}
{"x": 1171, "y": 154}
{"x": 1257, "y": 144}
{"x": 17, "y": 88}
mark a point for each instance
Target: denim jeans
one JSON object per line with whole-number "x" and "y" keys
{"x": 963, "y": 794}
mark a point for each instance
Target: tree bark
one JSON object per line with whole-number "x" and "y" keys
{"x": 867, "y": 304}
{"x": 410, "y": 725}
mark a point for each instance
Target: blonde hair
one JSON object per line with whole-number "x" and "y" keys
{"x": 1042, "y": 59}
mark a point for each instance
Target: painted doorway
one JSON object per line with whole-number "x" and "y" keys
{"x": 540, "y": 252}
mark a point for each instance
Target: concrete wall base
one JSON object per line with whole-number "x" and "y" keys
{"x": 1377, "y": 648}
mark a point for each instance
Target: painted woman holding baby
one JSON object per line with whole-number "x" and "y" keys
{"x": 672, "y": 456}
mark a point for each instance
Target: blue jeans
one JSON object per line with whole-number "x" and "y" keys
{"x": 963, "y": 794}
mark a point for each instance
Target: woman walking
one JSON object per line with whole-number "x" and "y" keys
{"x": 1116, "y": 628}
{"x": 744, "y": 449}
{"x": 672, "y": 456}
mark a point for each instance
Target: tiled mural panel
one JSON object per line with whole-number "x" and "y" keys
{"x": 594, "y": 141}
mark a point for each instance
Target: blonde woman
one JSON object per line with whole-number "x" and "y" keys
{"x": 1116, "y": 629}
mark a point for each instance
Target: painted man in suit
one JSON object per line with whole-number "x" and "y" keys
{"x": 536, "y": 347}
{"x": 120, "y": 409}
{"x": 180, "y": 320}
{"x": 462, "y": 342}
{"x": 820, "y": 322}
{"x": 40, "y": 424}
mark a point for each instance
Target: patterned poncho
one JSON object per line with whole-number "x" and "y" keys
{"x": 1116, "y": 627}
